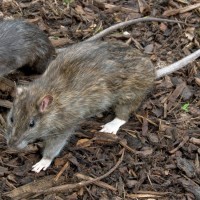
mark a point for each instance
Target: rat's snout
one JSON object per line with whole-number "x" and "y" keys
{"x": 14, "y": 143}
{"x": 11, "y": 143}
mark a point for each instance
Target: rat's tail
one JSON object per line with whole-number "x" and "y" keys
{"x": 177, "y": 65}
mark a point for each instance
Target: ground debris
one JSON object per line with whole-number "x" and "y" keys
{"x": 161, "y": 143}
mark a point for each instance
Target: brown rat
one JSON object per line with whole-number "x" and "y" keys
{"x": 85, "y": 79}
{"x": 77, "y": 85}
{"x": 23, "y": 44}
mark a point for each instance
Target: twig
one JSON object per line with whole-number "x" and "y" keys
{"x": 181, "y": 10}
{"x": 98, "y": 183}
{"x": 61, "y": 171}
{"x": 185, "y": 139}
{"x": 82, "y": 183}
{"x": 147, "y": 194}
{"x": 127, "y": 147}
{"x": 92, "y": 198}
{"x": 151, "y": 122}
{"x": 140, "y": 153}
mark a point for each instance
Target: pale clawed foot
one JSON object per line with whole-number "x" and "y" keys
{"x": 113, "y": 126}
{"x": 43, "y": 164}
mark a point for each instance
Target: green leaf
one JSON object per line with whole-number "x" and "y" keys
{"x": 185, "y": 107}
{"x": 67, "y": 2}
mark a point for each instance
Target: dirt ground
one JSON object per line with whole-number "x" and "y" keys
{"x": 156, "y": 154}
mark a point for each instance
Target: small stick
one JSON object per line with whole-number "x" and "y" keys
{"x": 151, "y": 122}
{"x": 121, "y": 142}
{"x": 98, "y": 183}
{"x": 185, "y": 139}
{"x": 63, "y": 188}
{"x": 61, "y": 171}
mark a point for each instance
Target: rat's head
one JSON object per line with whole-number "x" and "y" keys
{"x": 27, "y": 119}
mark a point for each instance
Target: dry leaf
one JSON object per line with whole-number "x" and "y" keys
{"x": 163, "y": 27}
{"x": 79, "y": 10}
{"x": 84, "y": 143}
{"x": 59, "y": 162}
{"x": 190, "y": 33}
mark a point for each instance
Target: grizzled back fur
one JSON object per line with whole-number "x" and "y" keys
{"x": 23, "y": 44}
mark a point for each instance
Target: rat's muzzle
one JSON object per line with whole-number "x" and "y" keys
{"x": 16, "y": 144}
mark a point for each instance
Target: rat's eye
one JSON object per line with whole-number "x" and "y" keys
{"x": 32, "y": 123}
{"x": 11, "y": 119}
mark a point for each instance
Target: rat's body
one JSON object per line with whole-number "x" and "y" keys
{"x": 77, "y": 85}
{"x": 23, "y": 44}
{"x": 83, "y": 80}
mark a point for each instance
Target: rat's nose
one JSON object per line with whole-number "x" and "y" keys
{"x": 11, "y": 143}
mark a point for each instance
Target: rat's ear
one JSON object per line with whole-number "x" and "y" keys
{"x": 45, "y": 102}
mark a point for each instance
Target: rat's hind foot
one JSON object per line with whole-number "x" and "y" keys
{"x": 113, "y": 126}
{"x": 43, "y": 164}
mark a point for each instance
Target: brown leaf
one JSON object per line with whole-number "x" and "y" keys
{"x": 153, "y": 138}
{"x": 163, "y": 27}
{"x": 79, "y": 10}
{"x": 189, "y": 33}
{"x": 84, "y": 143}
{"x": 145, "y": 151}
{"x": 59, "y": 162}
{"x": 143, "y": 6}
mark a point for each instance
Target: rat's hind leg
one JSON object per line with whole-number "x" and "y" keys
{"x": 122, "y": 111}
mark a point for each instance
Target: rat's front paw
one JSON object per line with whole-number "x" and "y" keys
{"x": 41, "y": 165}
{"x": 113, "y": 126}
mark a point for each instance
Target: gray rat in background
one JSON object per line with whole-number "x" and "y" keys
{"x": 23, "y": 44}
{"x": 85, "y": 79}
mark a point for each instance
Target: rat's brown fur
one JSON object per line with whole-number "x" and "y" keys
{"x": 86, "y": 79}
